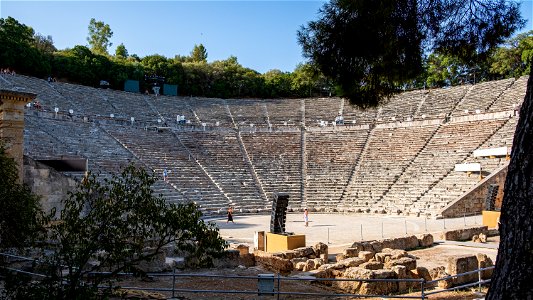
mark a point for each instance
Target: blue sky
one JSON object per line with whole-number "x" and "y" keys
{"x": 261, "y": 34}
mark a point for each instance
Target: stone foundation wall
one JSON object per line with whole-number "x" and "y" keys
{"x": 463, "y": 234}
{"x": 46, "y": 182}
{"x": 473, "y": 202}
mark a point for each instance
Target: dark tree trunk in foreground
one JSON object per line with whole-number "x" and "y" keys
{"x": 513, "y": 277}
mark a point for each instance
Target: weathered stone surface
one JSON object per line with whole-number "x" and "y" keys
{"x": 243, "y": 249}
{"x": 362, "y": 246}
{"x": 401, "y": 273}
{"x": 300, "y": 266}
{"x": 372, "y": 265}
{"x": 336, "y": 266}
{"x": 408, "y": 262}
{"x": 326, "y": 273}
{"x": 351, "y": 262}
{"x": 461, "y": 264}
{"x": 438, "y": 273}
{"x": 290, "y": 254}
{"x": 350, "y": 252}
{"x": 367, "y": 288}
{"x": 273, "y": 263}
{"x": 366, "y": 255}
{"x": 483, "y": 262}
{"x": 405, "y": 243}
{"x": 464, "y": 234}
{"x": 340, "y": 257}
{"x": 320, "y": 249}
{"x": 229, "y": 259}
{"x": 297, "y": 260}
{"x": 324, "y": 257}
{"x": 376, "y": 246}
{"x": 309, "y": 265}
{"x": 398, "y": 253}
{"x": 425, "y": 240}
{"x": 304, "y": 251}
{"x": 421, "y": 273}
{"x": 479, "y": 238}
{"x": 247, "y": 260}
{"x": 382, "y": 257}
{"x": 262, "y": 253}
{"x": 319, "y": 262}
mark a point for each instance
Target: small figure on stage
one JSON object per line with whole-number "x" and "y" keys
{"x": 230, "y": 215}
{"x": 306, "y": 217}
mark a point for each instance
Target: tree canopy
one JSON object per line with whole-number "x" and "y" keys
{"x": 199, "y": 53}
{"x": 112, "y": 226}
{"x": 99, "y": 36}
{"x": 370, "y": 49}
{"x": 34, "y": 54}
{"x": 21, "y": 217}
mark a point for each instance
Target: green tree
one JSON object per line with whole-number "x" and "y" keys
{"x": 199, "y": 53}
{"x": 514, "y": 58}
{"x": 114, "y": 225}
{"x": 18, "y": 49}
{"x": 121, "y": 51}
{"x": 370, "y": 48}
{"x": 99, "y": 36}
{"x": 278, "y": 83}
{"x": 21, "y": 217}
{"x": 307, "y": 81}
{"x": 45, "y": 44}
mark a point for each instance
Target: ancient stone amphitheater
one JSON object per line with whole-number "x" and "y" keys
{"x": 397, "y": 159}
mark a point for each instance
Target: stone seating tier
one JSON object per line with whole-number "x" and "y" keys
{"x": 352, "y": 168}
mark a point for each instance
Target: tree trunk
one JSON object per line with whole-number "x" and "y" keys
{"x": 513, "y": 276}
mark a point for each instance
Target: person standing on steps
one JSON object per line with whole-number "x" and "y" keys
{"x": 230, "y": 215}
{"x": 165, "y": 175}
{"x": 306, "y": 217}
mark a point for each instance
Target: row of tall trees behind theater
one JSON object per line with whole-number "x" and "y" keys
{"x": 34, "y": 54}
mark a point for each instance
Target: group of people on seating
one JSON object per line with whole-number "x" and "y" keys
{"x": 7, "y": 71}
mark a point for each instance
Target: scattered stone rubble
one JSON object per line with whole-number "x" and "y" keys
{"x": 382, "y": 259}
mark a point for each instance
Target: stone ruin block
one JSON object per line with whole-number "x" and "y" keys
{"x": 366, "y": 255}
{"x": 372, "y": 265}
{"x": 243, "y": 249}
{"x": 483, "y": 262}
{"x": 320, "y": 248}
{"x": 273, "y": 263}
{"x": 382, "y": 257}
{"x": 408, "y": 262}
{"x": 438, "y": 273}
{"x": 425, "y": 240}
{"x": 479, "y": 238}
{"x": 404, "y": 243}
{"x": 351, "y": 262}
{"x": 396, "y": 253}
{"x": 304, "y": 251}
{"x": 351, "y": 252}
{"x": 247, "y": 260}
{"x": 230, "y": 259}
{"x": 362, "y": 246}
{"x": 401, "y": 273}
{"x": 464, "y": 234}
{"x": 461, "y": 264}
{"x": 295, "y": 261}
{"x": 367, "y": 288}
